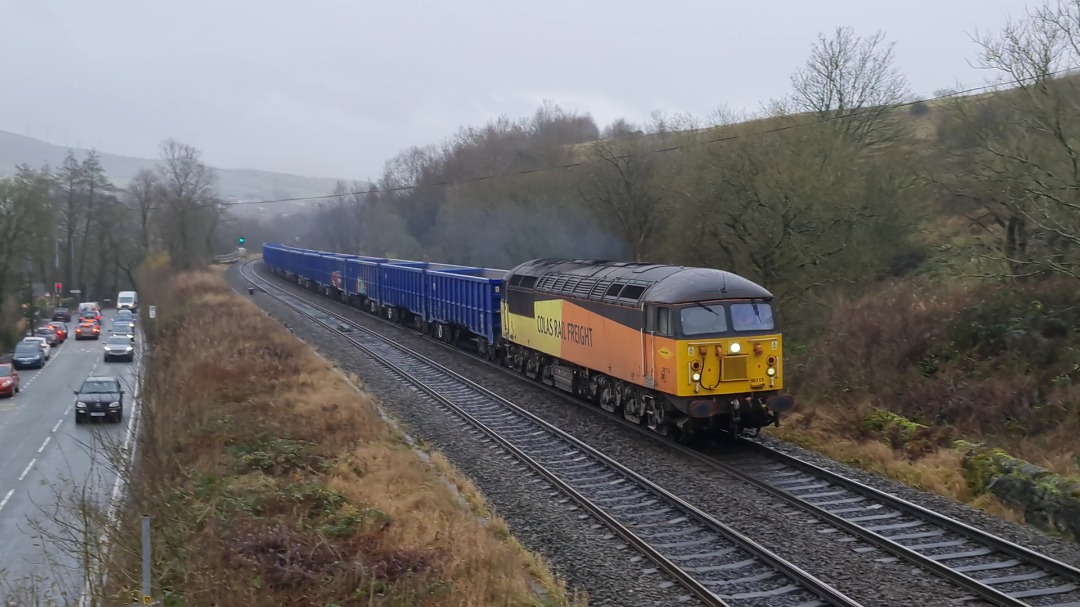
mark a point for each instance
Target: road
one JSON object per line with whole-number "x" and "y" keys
{"x": 51, "y": 468}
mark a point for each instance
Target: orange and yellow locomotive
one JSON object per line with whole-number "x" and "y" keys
{"x": 680, "y": 349}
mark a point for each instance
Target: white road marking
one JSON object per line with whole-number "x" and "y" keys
{"x": 42, "y": 447}
{"x": 118, "y": 486}
{"x": 57, "y": 426}
{"x": 68, "y": 410}
{"x": 4, "y": 501}
{"x": 28, "y": 467}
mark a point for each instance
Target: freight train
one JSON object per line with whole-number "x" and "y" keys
{"x": 683, "y": 350}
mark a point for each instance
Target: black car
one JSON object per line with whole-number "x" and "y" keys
{"x": 119, "y": 347}
{"x": 100, "y": 396}
{"x": 28, "y": 354}
{"x": 62, "y": 314}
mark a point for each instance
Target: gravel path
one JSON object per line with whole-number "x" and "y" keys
{"x": 831, "y": 557}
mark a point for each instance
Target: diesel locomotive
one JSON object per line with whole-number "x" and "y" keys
{"x": 680, "y": 349}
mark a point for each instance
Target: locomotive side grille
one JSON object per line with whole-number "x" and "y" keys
{"x": 733, "y": 368}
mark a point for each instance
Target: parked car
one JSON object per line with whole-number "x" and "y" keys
{"x": 62, "y": 314}
{"x": 9, "y": 380}
{"x": 99, "y": 396}
{"x": 119, "y": 347}
{"x": 46, "y": 347}
{"x": 28, "y": 354}
{"x": 48, "y": 333}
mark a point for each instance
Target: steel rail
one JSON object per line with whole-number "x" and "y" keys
{"x": 1023, "y": 555}
{"x": 830, "y": 595}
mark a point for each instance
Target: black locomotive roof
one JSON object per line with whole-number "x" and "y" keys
{"x": 629, "y": 283}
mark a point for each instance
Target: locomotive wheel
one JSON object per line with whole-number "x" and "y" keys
{"x": 631, "y": 410}
{"x": 609, "y": 399}
{"x": 654, "y": 419}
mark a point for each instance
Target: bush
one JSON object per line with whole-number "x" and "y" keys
{"x": 997, "y": 362}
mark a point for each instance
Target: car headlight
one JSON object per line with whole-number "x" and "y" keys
{"x": 80, "y": 405}
{"x": 128, "y": 349}
{"x": 114, "y": 404}
{"x": 6, "y": 383}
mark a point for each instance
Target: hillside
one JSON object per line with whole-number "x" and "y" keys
{"x": 233, "y": 183}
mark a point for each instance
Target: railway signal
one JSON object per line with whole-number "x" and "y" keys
{"x": 240, "y": 240}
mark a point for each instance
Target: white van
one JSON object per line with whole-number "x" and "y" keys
{"x": 127, "y": 300}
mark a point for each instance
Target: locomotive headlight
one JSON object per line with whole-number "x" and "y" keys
{"x": 696, "y": 377}
{"x": 735, "y": 347}
{"x": 771, "y": 372}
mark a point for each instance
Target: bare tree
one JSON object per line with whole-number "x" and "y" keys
{"x": 71, "y": 183}
{"x": 852, "y": 81}
{"x": 144, "y": 191}
{"x": 792, "y": 210}
{"x": 620, "y": 127}
{"x": 24, "y": 205}
{"x": 190, "y": 206}
{"x": 94, "y": 184}
{"x": 622, "y": 188}
{"x": 1018, "y": 151}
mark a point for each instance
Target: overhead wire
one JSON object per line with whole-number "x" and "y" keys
{"x": 413, "y": 186}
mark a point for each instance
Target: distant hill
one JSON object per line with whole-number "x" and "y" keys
{"x": 247, "y": 184}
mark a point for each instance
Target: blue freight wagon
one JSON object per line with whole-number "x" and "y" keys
{"x": 468, "y": 299}
{"x": 401, "y": 288}
{"x": 450, "y": 302}
{"x": 362, "y": 281}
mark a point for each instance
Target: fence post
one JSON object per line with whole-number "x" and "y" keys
{"x": 146, "y": 558}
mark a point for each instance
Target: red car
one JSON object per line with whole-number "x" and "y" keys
{"x": 61, "y": 330}
{"x": 9, "y": 380}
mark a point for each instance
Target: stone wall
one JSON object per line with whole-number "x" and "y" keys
{"x": 1049, "y": 501}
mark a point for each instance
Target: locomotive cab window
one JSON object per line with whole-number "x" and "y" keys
{"x": 754, "y": 316}
{"x": 703, "y": 319}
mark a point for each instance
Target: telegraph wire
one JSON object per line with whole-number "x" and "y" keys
{"x": 405, "y": 188}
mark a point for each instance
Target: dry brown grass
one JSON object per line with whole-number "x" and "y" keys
{"x": 991, "y": 365}
{"x": 271, "y": 480}
{"x": 937, "y": 469}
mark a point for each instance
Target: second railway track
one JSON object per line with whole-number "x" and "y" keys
{"x": 714, "y": 562}
{"x": 995, "y": 569}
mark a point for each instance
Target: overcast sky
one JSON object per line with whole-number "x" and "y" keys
{"x": 335, "y": 87}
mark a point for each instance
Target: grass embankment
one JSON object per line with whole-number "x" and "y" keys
{"x": 271, "y": 480}
{"x": 997, "y": 366}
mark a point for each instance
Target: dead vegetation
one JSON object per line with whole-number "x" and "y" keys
{"x": 270, "y": 480}
{"x": 999, "y": 366}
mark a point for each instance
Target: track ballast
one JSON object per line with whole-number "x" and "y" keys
{"x": 716, "y": 563}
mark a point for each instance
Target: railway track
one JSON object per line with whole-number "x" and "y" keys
{"x": 996, "y": 570}
{"x": 715, "y": 563}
